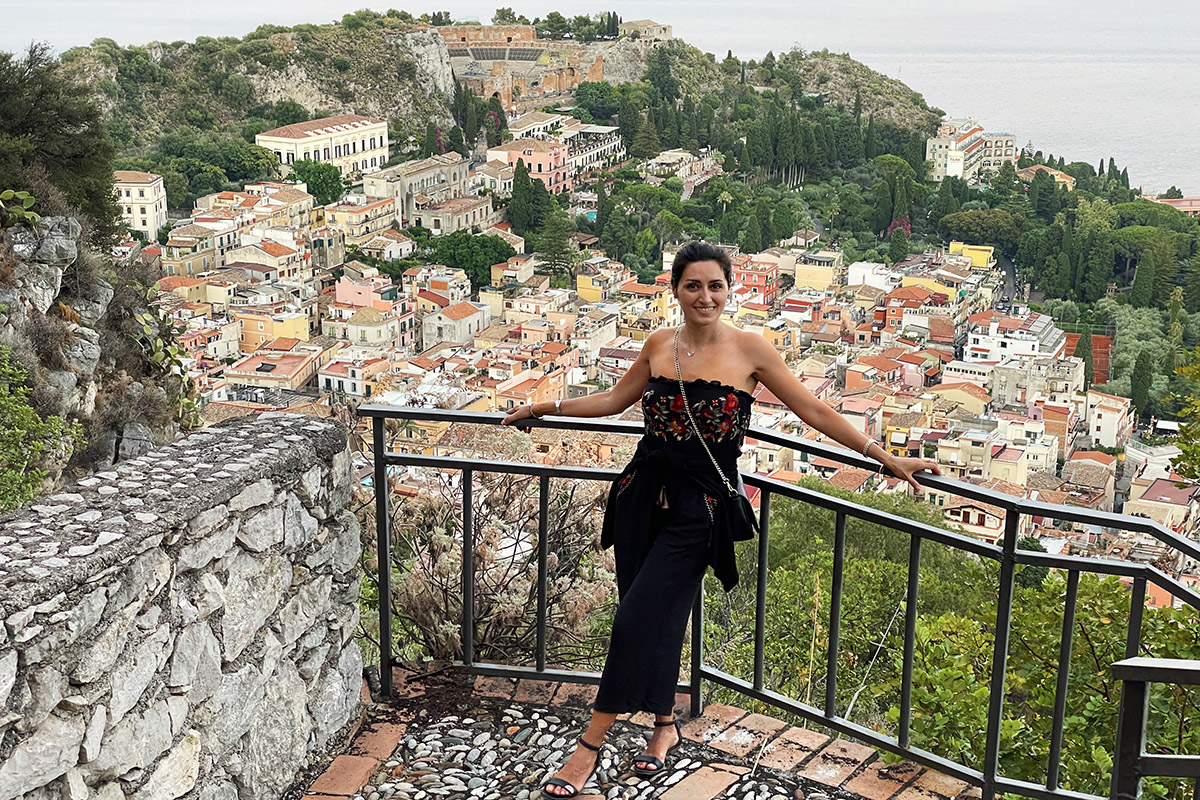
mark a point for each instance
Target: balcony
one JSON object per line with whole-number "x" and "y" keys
{"x": 939, "y": 672}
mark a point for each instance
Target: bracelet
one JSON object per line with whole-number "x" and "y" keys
{"x": 558, "y": 407}
{"x": 533, "y": 413}
{"x": 867, "y": 447}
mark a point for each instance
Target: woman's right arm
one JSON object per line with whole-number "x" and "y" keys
{"x": 601, "y": 404}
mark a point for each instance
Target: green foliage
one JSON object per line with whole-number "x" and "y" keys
{"x": 16, "y": 208}
{"x": 1141, "y": 294}
{"x": 1143, "y": 377}
{"x": 26, "y": 439}
{"x": 897, "y": 246}
{"x": 325, "y": 181}
{"x": 598, "y": 98}
{"x": 556, "y": 252}
{"x": 49, "y": 121}
{"x": 995, "y": 227}
{"x": 474, "y": 254}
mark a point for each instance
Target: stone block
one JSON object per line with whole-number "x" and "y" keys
{"x": 792, "y": 747}
{"x": 705, "y": 783}
{"x": 256, "y": 494}
{"x": 252, "y": 594}
{"x": 89, "y": 748}
{"x": 47, "y": 687}
{"x": 747, "y": 735}
{"x": 837, "y": 761}
{"x": 196, "y": 663}
{"x": 879, "y": 781}
{"x": 231, "y": 711}
{"x": 338, "y": 695}
{"x": 133, "y": 675}
{"x": 8, "y": 675}
{"x": 200, "y": 553}
{"x": 277, "y": 742}
{"x": 262, "y": 530}
{"x": 299, "y": 527}
{"x": 134, "y": 743}
{"x": 310, "y": 604}
{"x": 45, "y": 756}
{"x": 102, "y": 654}
{"x": 176, "y": 774}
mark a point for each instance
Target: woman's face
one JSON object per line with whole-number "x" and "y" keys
{"x": 702, "y": 291}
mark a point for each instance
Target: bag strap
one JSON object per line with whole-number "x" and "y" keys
{"x": 688, "y": 407}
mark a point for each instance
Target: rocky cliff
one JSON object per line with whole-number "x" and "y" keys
{"x": 397, "y": 71}
{"x": 60, "y": 322}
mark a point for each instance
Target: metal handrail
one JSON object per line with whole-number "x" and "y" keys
{"x": 1005, "y": 552}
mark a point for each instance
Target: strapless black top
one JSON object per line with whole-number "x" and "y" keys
{"x": 670, "y": 452}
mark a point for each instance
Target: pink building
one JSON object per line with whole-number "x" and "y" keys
{"x": 378, "y": 292}
{"x": 546, "y": 159}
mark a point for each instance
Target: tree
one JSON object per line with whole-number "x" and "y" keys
{"x": 1143, "y": 377}
{"x": 1174, "y": 193}
{"x": 897, "y": 246}
{"x": 25, "y": 437}
{"x": 52, "y": 121}
{"x": 474, "y": 254}
{"x": 598, "y": 98}
{"x": 1083, "y": 350}
{"x": 659, "y": 75}
{"x": 751, "y": 240}
{"x": 946, "y": 203}
{"x": 522, "y": 206}
{"x": 556, "y": 252}
{"x": 555, "y": 25}
{"x": 325, "y": 181}
{"x": 1031, "y": 576}
{"x": 1099, "y": 273}
{"x": 616, "y": 239}
{"x": 1141, "y": 294}
{"x": 504, "y": 16}
{"x": 646, "y": 144}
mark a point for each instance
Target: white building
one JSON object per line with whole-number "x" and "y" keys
{"x": 457, "y": 323}
{"x": 143, "y": 201}
{"x": 962, "y": 149}
{"x": 353, "y": 143}
{"x": 994, "y": 337}
{"x": 1109, "y": 419}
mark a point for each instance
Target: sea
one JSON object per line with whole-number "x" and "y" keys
{"x": 1085, "y": 79}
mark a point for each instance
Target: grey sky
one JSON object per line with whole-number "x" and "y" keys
{"x": 749, "y": 29}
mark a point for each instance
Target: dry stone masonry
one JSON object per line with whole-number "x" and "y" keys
{"x": 181, "y": 626}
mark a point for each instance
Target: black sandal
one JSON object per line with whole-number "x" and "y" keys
{"x": 564, "y": 784}
{"x": 658, "y": 763}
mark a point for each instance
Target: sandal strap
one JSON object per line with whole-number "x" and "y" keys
{"x": 595, "y": 748}
{"x": 665, "y": 724}
{"x": 562, "y": 784}
{"x": 650, "y": 760}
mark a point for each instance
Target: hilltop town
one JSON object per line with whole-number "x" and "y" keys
{"x": 519, "y": 251}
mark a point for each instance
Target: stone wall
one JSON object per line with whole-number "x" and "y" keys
{"x": 181, "y": 625}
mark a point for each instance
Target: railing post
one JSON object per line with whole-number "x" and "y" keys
{"x": 542, "y": 557}
{"x": 835, "y": 613}
{"x": 1135, "y": 707}
{"x": 1131, "y": 740}
{"x": 383, "y": 553}
{"x": 910, "y": 639}
{"x": 1066, "y": 643}
{"x": 760, "y": 603}
{"x": 468, "y": 572}
{"x": 991, "y": 753}
{"x": 697, "y": 651}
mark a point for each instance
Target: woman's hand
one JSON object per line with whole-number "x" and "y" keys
{"x": 519, "y": 413}
{"x": 904, "y": 468}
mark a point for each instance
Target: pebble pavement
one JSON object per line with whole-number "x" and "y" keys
{"x": 509, "y": 751}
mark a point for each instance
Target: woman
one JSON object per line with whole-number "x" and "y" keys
{"x": 673, "y": 511}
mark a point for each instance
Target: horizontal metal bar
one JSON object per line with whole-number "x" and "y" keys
{"x": 843, "y": 725}
{"x": 509, "y": 467}
{"x": 1027, "y": 789}
{"x": 1168, "y": 584}
{"x": 1178, "y": 671}
{"x": 902, "y": 524}
{"x": 1009, "y": 503}
{"x": 1170, "y": 766}
{"x": 523, "y": 673}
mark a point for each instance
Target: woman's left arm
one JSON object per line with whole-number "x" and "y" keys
{"x": 772, "y": 372}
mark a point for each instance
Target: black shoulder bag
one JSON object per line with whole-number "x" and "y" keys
{"x": 742, "y": 510}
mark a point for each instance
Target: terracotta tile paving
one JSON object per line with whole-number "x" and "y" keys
{"x": 813, "y": 761}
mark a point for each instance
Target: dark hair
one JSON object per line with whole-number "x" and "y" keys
{"x": 692, "y": 252}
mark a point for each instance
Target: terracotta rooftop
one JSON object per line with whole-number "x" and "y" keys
{"x": 315, "y": 127}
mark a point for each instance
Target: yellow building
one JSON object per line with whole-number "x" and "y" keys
{"x": 190, "y": 250}
{"x": 361, "y": 223}
{"x": 258, "y": 328}
{"x": 982, "y": 257}
{"x": 351, "y": 142}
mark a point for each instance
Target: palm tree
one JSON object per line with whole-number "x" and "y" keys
{"x": 724, "y": 198}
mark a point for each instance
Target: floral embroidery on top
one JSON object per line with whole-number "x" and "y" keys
{"x": 718, "y": 417}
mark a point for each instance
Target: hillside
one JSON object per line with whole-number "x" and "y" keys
{"x": 385, "y": 67}
{"x": 839, "y": 78}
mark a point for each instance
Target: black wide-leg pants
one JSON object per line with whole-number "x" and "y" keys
{"x": 657, "y": 582}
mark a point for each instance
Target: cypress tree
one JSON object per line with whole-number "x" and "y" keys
{"x": 1191, "y": 289}
{"x": 1099, "y": 273}
{"x": 767, "y": 233}
{"x": 1141, "y": 293}
{"x": 1100, "y": 169}
{"x": 751, "y": 241}
{"x": 870, "y": 145}
{"x": 1125, "y": 177}
{"x": 555, "y": 252}
{"x": 1112, "y": 167}
{"x": 521, "y": 211}
{"x": 1141, "y": 379}
{"x": 646, "y": 144}
{"x": 1083, "y": 350}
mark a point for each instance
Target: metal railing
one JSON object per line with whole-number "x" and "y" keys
{"x": 1005, "y": 552}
